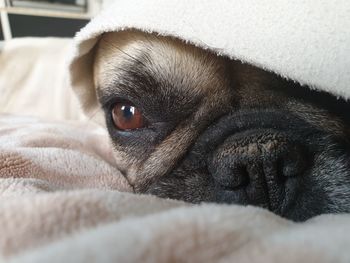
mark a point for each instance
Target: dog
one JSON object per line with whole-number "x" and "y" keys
{"x": 188, "y": 124}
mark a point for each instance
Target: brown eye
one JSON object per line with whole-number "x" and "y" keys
{"x": 127, "y": 117}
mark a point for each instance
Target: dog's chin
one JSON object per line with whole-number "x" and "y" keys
{"x": 271, "y": 159}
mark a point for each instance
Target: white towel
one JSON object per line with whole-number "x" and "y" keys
{"x": 306, "y": 41}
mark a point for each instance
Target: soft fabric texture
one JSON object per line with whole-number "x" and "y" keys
{"x": 62, "y": 200}
{"x": 66, "y": 154}
{"x": 34, "y": 79}
{"x": 306, "y": 41}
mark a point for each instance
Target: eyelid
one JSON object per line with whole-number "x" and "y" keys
{"x": 109, "y": 103}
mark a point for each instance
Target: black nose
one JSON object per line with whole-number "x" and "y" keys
{"x": 253, "y": 167}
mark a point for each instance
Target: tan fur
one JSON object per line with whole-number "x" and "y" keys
{"x": 195, "y": 73}
{"x": 178, "y": 61}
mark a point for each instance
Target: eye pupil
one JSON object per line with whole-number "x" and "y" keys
{"x": 128, "y": 111}
{"x": 127, "y": 117}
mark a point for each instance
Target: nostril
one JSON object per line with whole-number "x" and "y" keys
{"x": 293, "y": 163}
{"x": 231, "y": 176}
{"x": 240, "y": 176}
{"x": 290, "y": 168}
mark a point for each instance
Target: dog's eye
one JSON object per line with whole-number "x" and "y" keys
{"x": 127, "y": 117}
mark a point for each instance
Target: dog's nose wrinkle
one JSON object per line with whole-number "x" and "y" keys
{"x": 258, "y": 163}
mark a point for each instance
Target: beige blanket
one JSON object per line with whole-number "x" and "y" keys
{"x": 62, "y": 200}
{"x": 34, "y": 79}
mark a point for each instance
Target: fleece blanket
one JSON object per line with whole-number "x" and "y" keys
{"x": 62, "y": 200}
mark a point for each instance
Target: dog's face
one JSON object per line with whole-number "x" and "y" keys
{"x": 190, "y": 125}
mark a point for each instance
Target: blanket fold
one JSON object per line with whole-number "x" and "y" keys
{"x": 105, "y": 226}
{"x": 63, "y": 199}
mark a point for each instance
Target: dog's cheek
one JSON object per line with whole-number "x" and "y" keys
{"x": 334, "y": 170}
{"x": 124, "y": 161}
{"x": 326, "y": 189}
{"x": 167, "y": 189}
{"x": 182, "y": 185}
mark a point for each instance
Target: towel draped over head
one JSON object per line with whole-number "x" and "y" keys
{"x": 305, "y": 41}
{"x": 45, "y": 216}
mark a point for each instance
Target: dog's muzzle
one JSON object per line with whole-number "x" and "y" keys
{"x": 255, "y": 166}
{"x": 258, "y": 158}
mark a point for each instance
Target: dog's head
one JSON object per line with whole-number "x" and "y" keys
{"x": 191, "y": 125}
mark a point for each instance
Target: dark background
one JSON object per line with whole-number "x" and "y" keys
{"x": 1, "y": 36}
{"x": 24, "y": 25}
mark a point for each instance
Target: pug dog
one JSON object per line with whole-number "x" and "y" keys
{"x": 188, "y": 124}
